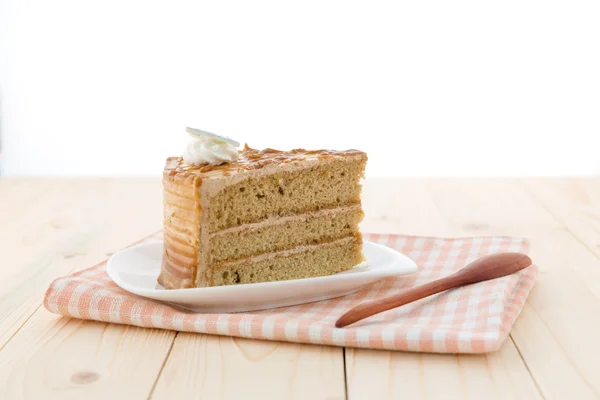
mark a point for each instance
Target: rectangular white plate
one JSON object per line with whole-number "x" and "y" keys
{"x": 136, "y": 269}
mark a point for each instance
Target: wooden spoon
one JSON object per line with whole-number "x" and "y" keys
{"x": 483, "y": 269}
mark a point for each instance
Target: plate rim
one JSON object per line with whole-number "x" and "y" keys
{"x": 144, "y": 292}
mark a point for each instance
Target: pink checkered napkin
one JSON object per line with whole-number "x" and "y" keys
{"x": 471, "y": 319}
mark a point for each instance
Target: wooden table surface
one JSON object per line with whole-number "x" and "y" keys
{"x": 52, "y": 227}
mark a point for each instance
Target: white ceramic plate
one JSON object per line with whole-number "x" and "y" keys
{"x": 135, "y": 269}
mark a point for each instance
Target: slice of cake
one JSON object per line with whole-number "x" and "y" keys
{"x": 234, "y": 217}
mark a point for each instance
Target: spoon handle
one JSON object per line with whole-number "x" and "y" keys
{"x": 483, "y": 269}
{"x": 368, "y": 309}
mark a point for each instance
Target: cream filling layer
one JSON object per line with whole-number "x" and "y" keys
{"x": 275, "y": 220}
{"x": 288, "y": 252}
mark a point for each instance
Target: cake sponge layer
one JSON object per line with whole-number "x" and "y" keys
{"x": 332, "y": 184}
{"x": 276, "y": 234}
{"x": 320, "y": 260}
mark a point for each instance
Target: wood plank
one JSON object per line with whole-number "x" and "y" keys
{"x": 51, "y": 227}
{"x": 61, "y": 358}
{"x": 406, "y": 206}
{"x": 58, "y": 226}
{"x": 391, "y": 375}
{"x": 575, "y": 202}
{"x": 126, "y": 200}
{"x": 558, "y": 329}
{"x": 556, "y": 332}
{"x": 217, "y": 367}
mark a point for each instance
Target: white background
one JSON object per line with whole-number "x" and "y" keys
{"x": 425, "y": 87}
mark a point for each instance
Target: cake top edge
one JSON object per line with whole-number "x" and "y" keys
{"x": 252, "y": 159}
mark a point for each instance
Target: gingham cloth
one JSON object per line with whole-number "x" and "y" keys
{"x": 472, "y": 319}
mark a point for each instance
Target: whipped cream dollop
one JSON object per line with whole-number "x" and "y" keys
{"x": 209, "y": 148}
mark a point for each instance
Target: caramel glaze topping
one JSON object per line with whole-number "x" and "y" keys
{"x": 251, "y": 159}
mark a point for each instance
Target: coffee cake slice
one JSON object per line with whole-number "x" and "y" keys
{"x": 267, "y": 216}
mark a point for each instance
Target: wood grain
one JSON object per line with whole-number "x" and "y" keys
{"x": 215, "y": 367}
{"x": 374, "y": 374}
{"x": 407, "y": 206}
{"x": 84, "y": 221}
{"x": 50, "y": 228}
{"x": 57, "y": 226}
{"x": 559, "y": 326}
{"x": 575, "y": 202}
{"x": 61, "y": 358}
